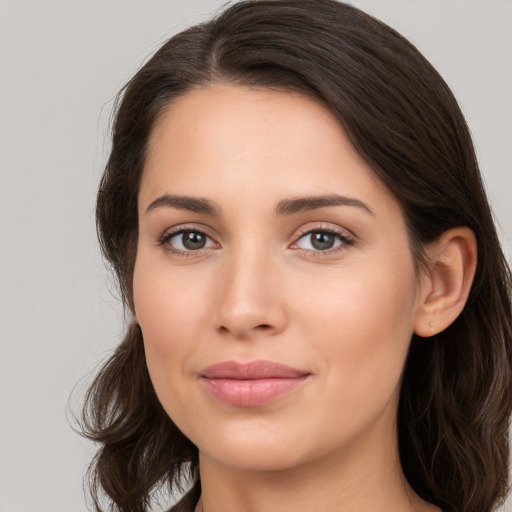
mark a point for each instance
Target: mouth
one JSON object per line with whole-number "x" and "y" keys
{"x": 251, "y": 384}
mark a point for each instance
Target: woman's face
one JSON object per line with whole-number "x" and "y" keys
{"x": 273, "y": 283}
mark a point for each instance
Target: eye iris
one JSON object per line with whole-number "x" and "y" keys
{"x": 322, "y": 241}
{"x": 193, "y": 240}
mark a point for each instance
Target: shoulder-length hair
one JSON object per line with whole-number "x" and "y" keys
{"x": 404, "y": 121}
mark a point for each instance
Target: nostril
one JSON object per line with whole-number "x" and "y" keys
{"x": 263, "y": 327}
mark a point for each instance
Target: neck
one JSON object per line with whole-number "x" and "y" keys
{"x": 367, "y": 477}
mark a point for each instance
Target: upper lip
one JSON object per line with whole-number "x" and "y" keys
{"x": 252, "y": 370}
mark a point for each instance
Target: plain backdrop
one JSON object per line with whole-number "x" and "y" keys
{"x": 61, "y": 63}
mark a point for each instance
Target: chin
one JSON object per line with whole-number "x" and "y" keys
{"x": 253, "y": 448}
{"x": 255, "y": 457}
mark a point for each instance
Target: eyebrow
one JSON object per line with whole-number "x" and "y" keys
{"x": 193, "y": 204}
{"x": 301, "y": 204}
{"x": 283, "y": 208}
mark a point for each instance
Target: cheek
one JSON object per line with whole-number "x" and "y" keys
{"x": 362, "y": 323}
{"x": 173, "y": 308}
{"x": 167, "y": 307}
{"x": 168, "y": 311}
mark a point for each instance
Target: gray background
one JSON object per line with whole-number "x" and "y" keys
{"x": 61, "y": 63}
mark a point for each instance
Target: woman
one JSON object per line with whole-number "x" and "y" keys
{"x": 319, "y": 305}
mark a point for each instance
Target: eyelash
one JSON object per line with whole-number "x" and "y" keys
{"x": 165, "y": 239}
{"x": 345, "y": 240}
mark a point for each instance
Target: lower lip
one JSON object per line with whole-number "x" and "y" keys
{"x": 251, "y": 393}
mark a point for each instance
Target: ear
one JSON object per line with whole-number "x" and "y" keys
{"x": 445, "y": 287}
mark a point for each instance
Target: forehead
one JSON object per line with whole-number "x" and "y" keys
{"x": 254, "y": 145}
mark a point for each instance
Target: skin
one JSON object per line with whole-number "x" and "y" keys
{"x": 259, "y": 289}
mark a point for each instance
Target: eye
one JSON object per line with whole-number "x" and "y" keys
{"x": 322, "y": 240}
{"x": 186, "y": 241}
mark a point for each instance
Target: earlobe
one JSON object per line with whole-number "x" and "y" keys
{"x": 445, "y": 288}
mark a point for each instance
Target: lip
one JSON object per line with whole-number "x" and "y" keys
{"x": 253, "y": 383}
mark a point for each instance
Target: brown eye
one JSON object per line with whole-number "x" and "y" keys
{"x": 186, "y": 241}
{"x": 321, "y": 240}
{"x": 193, "y": 240}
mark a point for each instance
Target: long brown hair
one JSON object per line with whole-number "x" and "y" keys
{"x": 404, "y": 121}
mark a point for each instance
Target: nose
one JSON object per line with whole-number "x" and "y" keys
{"x": 251, "y": 303}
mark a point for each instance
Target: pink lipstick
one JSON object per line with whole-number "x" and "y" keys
{"x": 251, "y": 384}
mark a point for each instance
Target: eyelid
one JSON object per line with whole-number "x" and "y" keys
{"x": 347, "y": 238}
{"x": 182, "y": 228}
